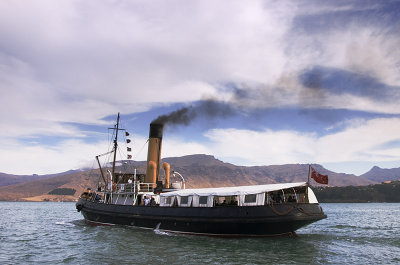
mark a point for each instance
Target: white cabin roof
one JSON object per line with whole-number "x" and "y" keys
{"x": 229, "y": 191}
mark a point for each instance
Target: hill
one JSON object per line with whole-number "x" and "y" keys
{"x": 384, "y": 192}
{"x": 382, "y": 174}
{"x": 9, "y": 179}
{"x": 198, "y": 171}
{"x": 207, "y": 171}
{"x": 39, "y": 190}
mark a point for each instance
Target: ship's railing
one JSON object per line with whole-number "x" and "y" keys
{"x": 135, "y": 187}
{"x": 126, "y": 187}
{"x": 146, "y": 187}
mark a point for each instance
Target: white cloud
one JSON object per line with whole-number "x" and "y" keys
{"x": 26, "y": 159}
{"x": 363, "y": 50}
{"x": 356, "y": 46}
{"x": 358, "y": 142}
{"x": 144, "y": 47}
{"x": 361, "y": 141}
{"x": 65, "y": 62}
{"x": 31, "y": 158}
{"x": 175, "y": 147}
{"x": 262, "y": 148}
{"x": 77, "y": 62}
{"x": 71, "y": 64}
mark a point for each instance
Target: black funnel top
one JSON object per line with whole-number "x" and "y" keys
{"x": 156, "y": 130}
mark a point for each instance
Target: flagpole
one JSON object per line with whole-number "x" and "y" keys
{"x": 308, "y": 180}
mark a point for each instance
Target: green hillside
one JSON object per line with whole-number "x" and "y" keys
{"x": 385, "y": 192}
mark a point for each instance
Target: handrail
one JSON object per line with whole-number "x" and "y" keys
{"x": 146, "y": 187}
{"x": 134, "y": 187}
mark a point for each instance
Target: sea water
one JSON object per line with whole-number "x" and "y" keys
{"x": 54, "y": 233}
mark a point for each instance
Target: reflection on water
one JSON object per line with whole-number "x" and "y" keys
{"x": 55, "y": 233}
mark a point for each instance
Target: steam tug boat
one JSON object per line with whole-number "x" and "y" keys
{"x": 150, "y": 202}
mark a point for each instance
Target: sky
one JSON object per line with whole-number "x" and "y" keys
{"x": 260, "y": 82}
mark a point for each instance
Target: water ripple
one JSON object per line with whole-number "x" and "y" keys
{"x": 54, "y": 233}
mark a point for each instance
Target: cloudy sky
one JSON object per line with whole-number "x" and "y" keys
{"x": 264, "y": 82}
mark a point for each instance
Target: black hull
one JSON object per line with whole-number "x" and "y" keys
{"x": 280, "y": 219}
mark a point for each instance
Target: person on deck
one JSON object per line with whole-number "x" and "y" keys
{"x": 146, "y": 200}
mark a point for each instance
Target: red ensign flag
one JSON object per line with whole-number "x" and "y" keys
{"x": 321, "y": 179}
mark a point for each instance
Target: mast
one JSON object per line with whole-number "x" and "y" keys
{"x": 115, "y": 147}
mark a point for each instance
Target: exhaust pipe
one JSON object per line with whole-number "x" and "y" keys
{"x": 166, "y": 168}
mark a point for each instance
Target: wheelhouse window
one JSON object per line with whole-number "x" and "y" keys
{"x": 184, "y": 199}
{"x": 203, "y": 200}
{"x": 250, "y": 198}
{"x": 226, "y": 200}
{"x": 167, "y": 200}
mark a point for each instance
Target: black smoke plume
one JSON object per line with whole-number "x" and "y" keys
{"x": 206, "y": 108}
{"x": 181, "y": 116}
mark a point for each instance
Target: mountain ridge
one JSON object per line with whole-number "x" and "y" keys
{"x": 12, "y": 179}
{"x": 199, "y": 171}
{"x": 382, "y": 174}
